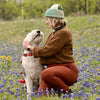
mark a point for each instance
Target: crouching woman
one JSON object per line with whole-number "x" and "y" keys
{"x": 56, "y": 54}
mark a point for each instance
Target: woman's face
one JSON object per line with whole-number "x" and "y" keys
{"x": 48, "y": 22}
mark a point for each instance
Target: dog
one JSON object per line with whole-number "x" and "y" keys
{"x": 31, "y": 66}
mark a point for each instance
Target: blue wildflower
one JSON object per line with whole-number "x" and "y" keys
{"x": 0, "y": 78}
{"x": 66, "y": 96}
{"x": 97, "y": 98}
{"x": 32, "y": 94}
{"x": 19, "y": 98}
{"x": 52, "y": 90}
{"x": 4, "y": 98}
{"x": 1, "y": 91}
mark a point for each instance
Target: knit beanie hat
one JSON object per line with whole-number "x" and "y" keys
{"x": 55, "y": 10}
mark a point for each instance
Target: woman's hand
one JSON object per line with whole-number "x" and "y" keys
{"x": 26, "y": 44}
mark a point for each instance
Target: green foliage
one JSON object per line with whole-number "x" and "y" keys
{"x": 10, "y": 9}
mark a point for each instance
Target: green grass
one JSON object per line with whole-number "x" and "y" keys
{"x": 85, "y": 31}
{"x": 78, "y": 25}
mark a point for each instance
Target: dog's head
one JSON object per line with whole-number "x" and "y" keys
{"x": 35, "y": 36}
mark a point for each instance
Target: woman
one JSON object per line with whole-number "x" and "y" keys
{"x": 56, "y": 54}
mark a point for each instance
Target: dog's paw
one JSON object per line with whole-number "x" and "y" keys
{"x": 29, "y": 96}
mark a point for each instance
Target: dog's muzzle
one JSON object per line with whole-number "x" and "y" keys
{"x": 38, "y": 34}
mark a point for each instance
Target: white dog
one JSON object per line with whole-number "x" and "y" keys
{"x": 32, "y": 67}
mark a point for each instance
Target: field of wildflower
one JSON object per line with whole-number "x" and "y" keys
{"x": 86, "y": 46}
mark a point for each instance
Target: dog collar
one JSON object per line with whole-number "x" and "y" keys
{"x": 28, "y": 54}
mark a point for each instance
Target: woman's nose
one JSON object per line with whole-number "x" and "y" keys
{"x": 46, "y": 22}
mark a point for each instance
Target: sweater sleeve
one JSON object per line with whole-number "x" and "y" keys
{"x": 53, "y": 46}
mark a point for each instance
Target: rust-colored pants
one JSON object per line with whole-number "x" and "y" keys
{"x": 58, "y": 76}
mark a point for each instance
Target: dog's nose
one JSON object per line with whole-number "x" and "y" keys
{"x": 38, "y": 31}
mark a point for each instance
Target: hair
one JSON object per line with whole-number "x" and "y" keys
{"x": 57, "y": 21}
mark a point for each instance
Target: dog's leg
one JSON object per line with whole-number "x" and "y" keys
{"x": 29, "y": 84}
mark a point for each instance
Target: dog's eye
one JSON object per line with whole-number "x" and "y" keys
{"x": 38, "y": 31}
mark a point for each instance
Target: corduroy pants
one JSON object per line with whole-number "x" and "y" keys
{"x": 58, "y": 76}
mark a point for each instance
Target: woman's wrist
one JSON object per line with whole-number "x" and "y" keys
{"x": 31, "y": 48}
{"x": 27, "y": 46}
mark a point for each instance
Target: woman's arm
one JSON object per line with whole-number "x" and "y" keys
{"x": 53, "y": 46}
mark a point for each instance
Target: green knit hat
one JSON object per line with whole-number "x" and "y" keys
{"x": 55, "y": 10}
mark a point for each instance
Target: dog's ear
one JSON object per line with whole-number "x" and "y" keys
{"x": 38, "y": 31}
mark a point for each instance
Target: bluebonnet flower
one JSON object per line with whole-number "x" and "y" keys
{"x": 18, "y": 90}
{"x": 62, "y": 97}
{"x": 19, "y": 98}
{"x": 8, "y": 88}
{"x": 95, "y": 90}
{"x": 99, "y": 92}
{"x": 66, "y": 96}
{"x": 10, "y": 80}
{"x": 1, "y": 91}
{"x": 32, "y": 94}
{"x": 4, "y": 80}
{"x": 72, "y": 95}
{"x": 11, "y": 92}
{"x": 86, "y": 84}
{"x": 34, "y": 88}
{"x": 87, "y": 94}
{"x": 61, "y": 90}
{"x": 98, "y": 73}
{"x": 47, "y": 91}
{"x": 30, "y": 99}
{"x": 41, "y": 92}
{"x": 3, "y": 70}
{"x": 23, "y": 95}
{"x": 52, "y": 90}
{"x": 22, "y": 88}
{"x": 38, "y": 95}
{"x": 17, "y": 94}
{"x": 85, "y": 98}
{"x": 0, "y": 78}
{"x": 97, "y": 98}
{"x": 2, "y": 85}
{"x": 4, "y": 98}
{"x": 81, "y": 93}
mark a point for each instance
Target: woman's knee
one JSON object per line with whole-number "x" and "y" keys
{"x": 46, "y": 74}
